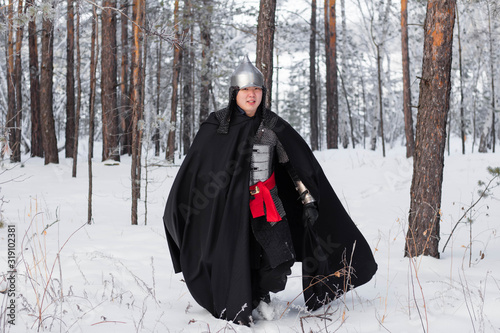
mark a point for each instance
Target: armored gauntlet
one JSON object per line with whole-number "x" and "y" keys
{"x": 310, "y": 210}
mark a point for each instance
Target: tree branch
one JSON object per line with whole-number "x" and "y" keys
{"x": 469, "y": 209}
{"x": 148, "y": 31}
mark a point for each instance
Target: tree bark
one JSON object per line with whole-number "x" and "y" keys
{"x": 124, "y": 111}
{"x": 142, "y": 94}
{"x": 94, "y": 55}
{"x": 422, "y": 237}
{"x": 313, "y": 95}
{"x": 460, "y": 72}
{"x": 175, "y": 87}
{"x": 349, "y": 114}
{"x": 47, "y": 115}
{"x": 36, "y": 130}
{"x": 488, "y": 132}
{"x": 378, "y": 37}
{"x": 380, "y": 101}
{"x": 11, "y": 82}
{"x": 79, "y": 92}
{"x": 332, "y": 99}
{"x": 156, "y": 135}
{"x": 365, "y": 110}
{"x": 410, "y": 142}
{"x": 18, "y": 76}
{"x": 187, "y": 69}
{"x": 136, "y": 87}
{"x": 277, "y": 91}
{"x": 206, "y": 67}
{"x": 265, "y": 44}
{"x": 70, "y": 81}
{"x": 492, "y": 71}
{"x": 109, "y": 83}
{"x": 343, "y": 117}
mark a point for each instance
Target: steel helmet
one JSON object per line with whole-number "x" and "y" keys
{"x": 247, "y": 75}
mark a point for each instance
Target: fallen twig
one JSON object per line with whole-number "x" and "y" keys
{"x": 109, "y": 322}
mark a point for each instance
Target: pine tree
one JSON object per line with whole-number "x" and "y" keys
{"x": 424, "y": 217}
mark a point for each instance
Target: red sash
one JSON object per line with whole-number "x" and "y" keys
{"x": 262, "y": 195}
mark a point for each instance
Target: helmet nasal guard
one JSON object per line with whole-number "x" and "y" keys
{"x": 247, "y": 75}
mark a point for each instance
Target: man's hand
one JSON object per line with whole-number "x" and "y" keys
{"x": 310, "y": 214}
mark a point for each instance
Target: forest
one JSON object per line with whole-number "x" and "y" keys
{"x": 142, "y": 75}
{"x": 100, "y": 101}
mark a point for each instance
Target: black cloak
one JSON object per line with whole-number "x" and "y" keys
{"x": 207, "y": 219}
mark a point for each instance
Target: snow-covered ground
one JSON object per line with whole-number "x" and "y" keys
{"x": 114, "y": 277}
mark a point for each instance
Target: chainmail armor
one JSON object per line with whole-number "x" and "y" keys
{"x": 262, "y": 167}
{"x": 264, "y": 136}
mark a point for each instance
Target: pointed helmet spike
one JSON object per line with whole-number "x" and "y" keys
{"x": 247, "y": 75}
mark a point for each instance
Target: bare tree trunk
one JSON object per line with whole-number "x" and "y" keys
{"x": 142, "y": 94}
{"x": 108, "y": 83}
{"x": 136, "y": 98}
{"x": 94, "y": 54}
{"x": 193, "y": 80}
{"x": 365, "y": 111}
{"x": 492, "y": 71}
{"x": 374, "y": 129}
{"x": 124, "y": 112}
{"x": 378, "y": 37}
{"x": 156, "y": 136}
{"x": 319, "y": 83}
{"x": 484, "y": 142}
{"x": 187, "y": 69}
{"x": 206, "y": 64}
{"x": 79, "y": 92}
{"x": 265, "y": 44}
{"x": 434, "y": 101}
{"x": 332, "y": 99}
{"x": 488, "y": 131}
{"x": 16, "y": 148}
{"x": 380, "y": 99}
{"x": 343, "y": 117}
{"x": 462, "y": 112}
{"x": 276, "y": 93}
{"x": 70, "y": 81}
{"x": 36, "y": 130}
{"x": 11, "y": 82}
{"x": 313, "y": 95}
{"x": 48, "y": 126}
{"x": 474, "y": 125}
{"x": 448, "y": 130}
{"x": 410, "y": 142}
{"x": 349, "y": 113}
{"x": 175, "y": 87}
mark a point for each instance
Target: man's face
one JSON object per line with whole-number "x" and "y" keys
{"x": 249, "y": 99}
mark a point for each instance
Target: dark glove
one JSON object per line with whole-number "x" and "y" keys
{"x": 310, "y": 214}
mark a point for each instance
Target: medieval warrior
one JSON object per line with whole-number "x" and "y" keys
{"x": 234, "y": 236}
